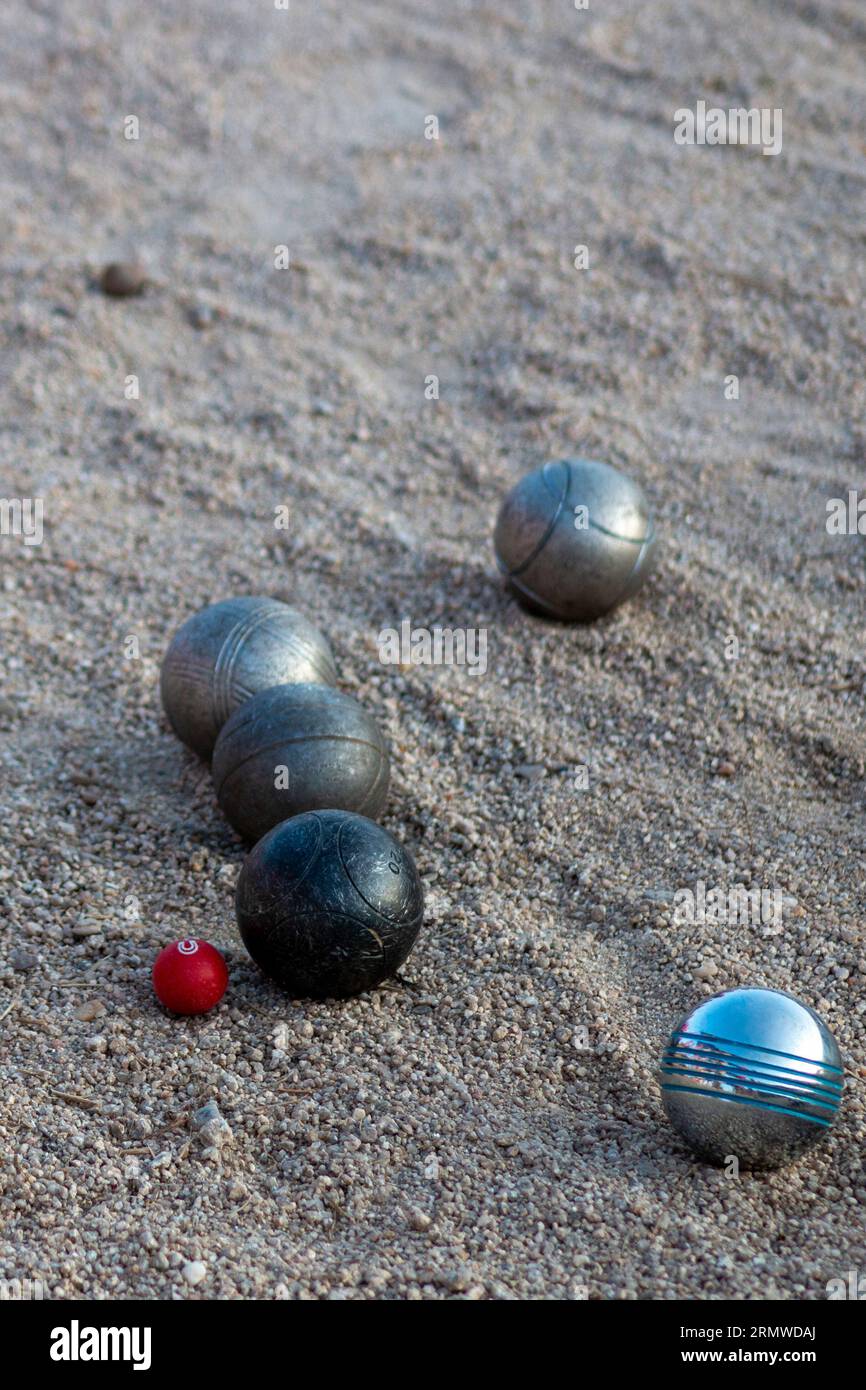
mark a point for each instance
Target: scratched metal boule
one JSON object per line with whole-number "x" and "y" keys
{"x": 298, "y": 748}
{"x": 574, "y": 538}
{"x": 329, "y": 904}
{"x": 228, "y": 652}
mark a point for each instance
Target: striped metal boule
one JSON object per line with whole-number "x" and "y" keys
{"x": 751, "y": 1074}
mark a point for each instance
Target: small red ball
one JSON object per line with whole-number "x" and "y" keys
{"x": 190, "y": 976}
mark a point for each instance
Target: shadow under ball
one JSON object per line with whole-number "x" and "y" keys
{"x": 329, "y": 904}
{"x": 570, "y": 564}
{"x": 298, "y": 748}
{"x": 752, "y": 1073}
{"x": 226, "y": 653}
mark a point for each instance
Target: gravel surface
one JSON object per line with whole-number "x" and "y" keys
{"x": 487, "y": 1126}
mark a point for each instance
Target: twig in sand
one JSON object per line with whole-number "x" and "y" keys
{"x": 836, "y": 686}
{"x": 86, "y": 1102}
{"x": 74, "y": 566}
{"x": 801, "y": 560}
{"x": 9, "y": 1007}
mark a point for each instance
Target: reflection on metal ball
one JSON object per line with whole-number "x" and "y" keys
{"x": 751, "y": 1074}
{"x": 329, "y": 904}
{"x": 297, "y": 748}
{"x": 574, "y": 538}
{"x": 226, "y": 653}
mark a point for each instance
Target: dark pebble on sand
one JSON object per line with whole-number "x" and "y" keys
{"x": 123, "y": 278}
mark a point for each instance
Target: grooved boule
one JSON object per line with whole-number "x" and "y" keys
{"x": 751, "y": 1074}
{"x": 298, "y": 748}
{"x": 329, "y": 904}
{"x": 226, "y": 653}
{"x": 574, "y": 538}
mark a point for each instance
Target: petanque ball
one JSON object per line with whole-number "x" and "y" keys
{"x": 752, "y": 1074}
{"x": 298, "y": 748}
{"x": 574, "y": 538}
{"x": 226, "y": 653}
{"x": 329, "y": 904}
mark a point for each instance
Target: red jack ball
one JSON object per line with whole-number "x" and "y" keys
{"x": 190, "y": 976}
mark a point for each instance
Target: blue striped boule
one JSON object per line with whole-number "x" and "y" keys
{"x": 751, "y": 1074}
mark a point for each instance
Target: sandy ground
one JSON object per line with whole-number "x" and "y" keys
{"x": 489, "y": 1127}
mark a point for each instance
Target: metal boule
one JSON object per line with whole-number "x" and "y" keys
{"x": 226, "y": 653}
{"x": 751, "y": 1074}
{"x": 574, "y": 538}
{"x": 298, "y": 748}
{"x": 329, "y": 904}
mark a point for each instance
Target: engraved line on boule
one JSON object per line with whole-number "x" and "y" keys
{"x": 378, "y": 911}
{"x": 745, "y": 1081}
{"x": 536, "y": 598}
{"x": 647, "y": 541}
{"x": 308, "y": 867}
{"x": 547, "y": 534}
{"x": 593, "y": 525}
{"x": 372, "y": 793}
{"x": 643, "y": 542}
{"x": 288, "y": 712}
{"x": 298, "y": 738}
{"x": 228, "y": 655}
{"x": 759, "y": 1075}
{"x": 616, "y": 536}
{"x": 548, "y": 467}
{"x": 797, "y": 1082}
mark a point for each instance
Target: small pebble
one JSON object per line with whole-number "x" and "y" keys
{"x": 122, "y": 279}
{"x": 89, "y": 1010}
{"x": 86, "y": 929}
{"x": 194, "y": 1271}
{"x": 201, "y": 316}
{"x": 213, "y": 1130}
{"x": 532, "y": 772}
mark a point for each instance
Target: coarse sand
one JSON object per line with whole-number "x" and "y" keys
{"x": 488, "y": 1125}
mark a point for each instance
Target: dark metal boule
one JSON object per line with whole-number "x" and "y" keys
{"x": 298, "y": 748}
{"x": 574, "y": 538}
{"x": 329, "y": 904}
{"x": 226, "y": 653}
